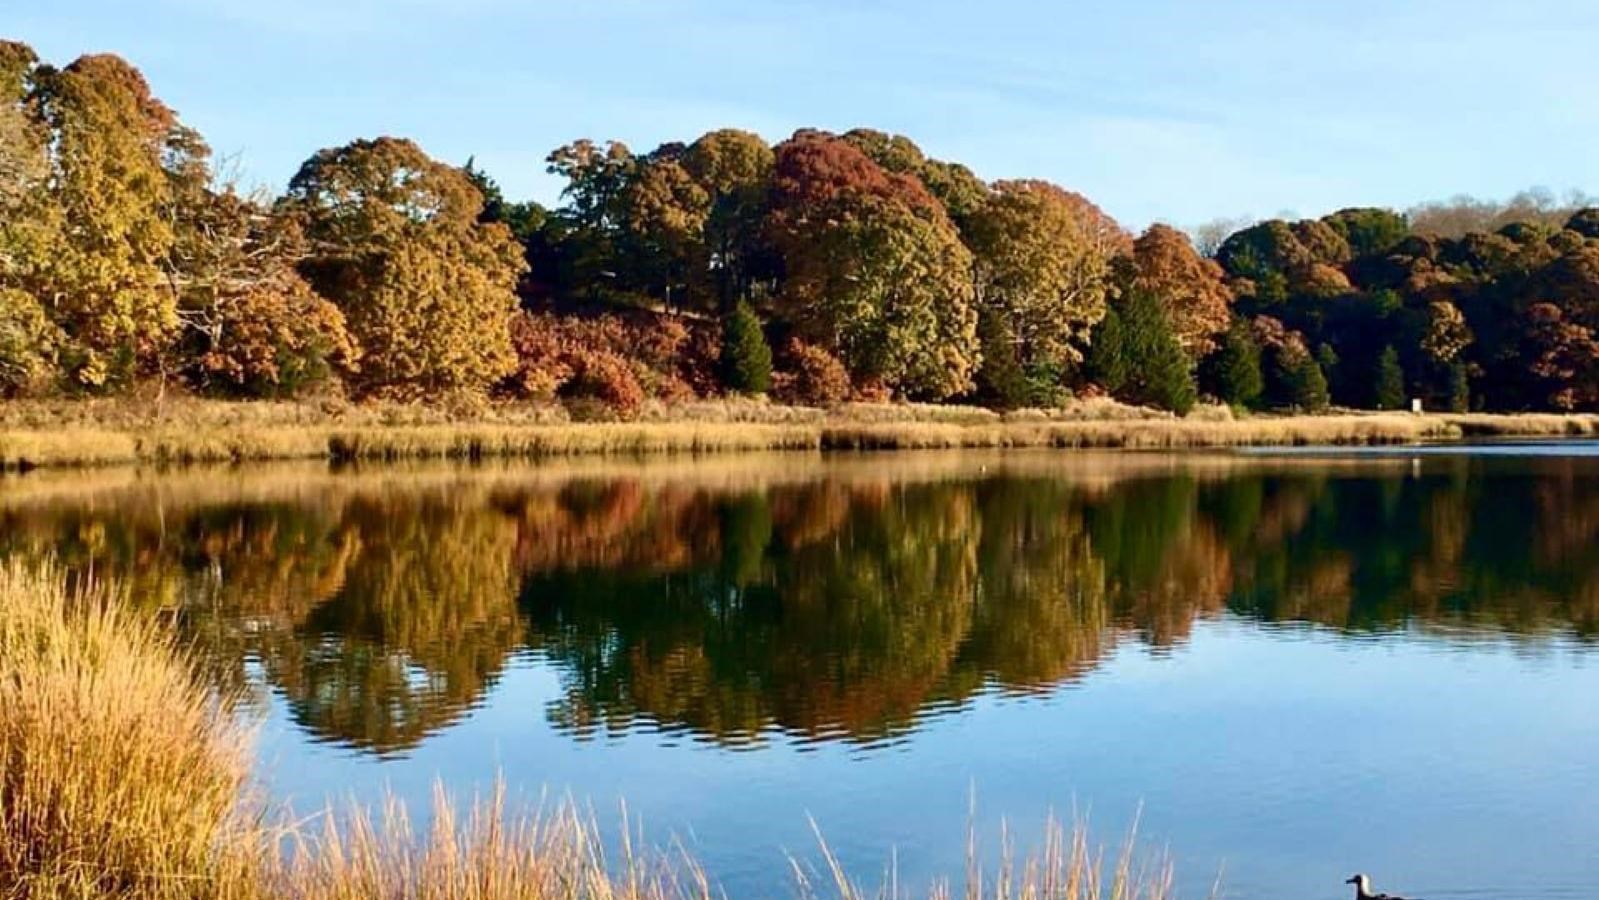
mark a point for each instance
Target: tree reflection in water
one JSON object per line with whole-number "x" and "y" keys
{"x": 816, "y": 599}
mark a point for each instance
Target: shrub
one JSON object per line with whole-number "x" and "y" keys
{"x": 665, "y": 358}
{"x": 813, "y": 377}
{"x": 542, "y": 362}
{"x": 269, "y": 345}
{"x": 609, "y": 379}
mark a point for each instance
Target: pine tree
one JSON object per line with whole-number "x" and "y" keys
{"x": 1390, "y": 380}
{"x": 1238, "y": 377}
{"x": 1107, "y": 354}
{"x": 1327, "y": 358}
{"x": 1156, "y": 370}
{"x": 1000, "y": 378}
{"x": 1459, "y": 397}
{"x": 1170, "y": 378}
{"x": 1309, "y": 386}
{"x": 746, "y": 358}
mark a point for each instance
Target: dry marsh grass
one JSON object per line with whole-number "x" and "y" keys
{"x": 119, "y": 775}
{"x": 1525, "y": 425}
{"x": 490, "y": 854}
{"x": 483, "y": 441}
{"x": 122, "y": 774}
{"x": 98, "y": 433}
{"x": 1145, "y": 434}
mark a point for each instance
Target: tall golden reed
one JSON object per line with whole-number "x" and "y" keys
{"x": 119, "y": 774}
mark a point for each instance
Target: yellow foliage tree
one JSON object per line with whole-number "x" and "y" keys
{"x": 427, "y": 290}
{"x": 1043, "y": 264}
{"x": 101, "y": 280}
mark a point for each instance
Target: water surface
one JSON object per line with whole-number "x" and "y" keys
{"x": 1297, "y": 665}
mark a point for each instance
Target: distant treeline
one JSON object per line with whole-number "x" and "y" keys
{"x": 823, "y": 268}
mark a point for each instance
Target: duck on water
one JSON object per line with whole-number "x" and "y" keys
{"x": 1363, "y": 889}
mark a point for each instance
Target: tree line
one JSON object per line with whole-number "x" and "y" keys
{"x": 822, "y": 268}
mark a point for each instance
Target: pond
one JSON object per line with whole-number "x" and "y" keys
{"x": 1286, "y": 666}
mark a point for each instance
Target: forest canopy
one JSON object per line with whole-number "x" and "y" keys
{"x": 832, "y": 266}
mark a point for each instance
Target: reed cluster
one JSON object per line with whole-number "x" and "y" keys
{"x": 120, "y": 775}
{"x": 124, "y": 773}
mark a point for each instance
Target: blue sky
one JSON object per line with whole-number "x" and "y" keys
{"x": 1157, "y": 110}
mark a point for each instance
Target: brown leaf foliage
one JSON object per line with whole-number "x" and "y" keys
{"x": 810, "y": 376}
{"x": 616, "y": 359}
{"x": 1192, "y": 288}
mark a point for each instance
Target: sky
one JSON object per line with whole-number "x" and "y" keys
{"x": 1158, "y": 110}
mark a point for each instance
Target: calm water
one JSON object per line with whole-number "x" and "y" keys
{"x": 1297, "y": 665}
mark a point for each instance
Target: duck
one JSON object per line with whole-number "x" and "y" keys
{"x": 1363, "y": 889}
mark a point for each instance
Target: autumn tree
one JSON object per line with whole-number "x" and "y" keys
{"x": 251, "y": 325}
{"x": 1191, "y": 287}
{"x": 395, "y": 242}
{"x": 24, "y": 159}
{"x": 874, "y": 269}
{"x": 1043, "y": 264}
{"x": 961, "y": 192}
{"x": 662, "y": 247}
{"x": 1561, "y": 357}
{"x": 734, "y": 169}
{"x": 98, "y": 268}
{"x": 1446, "y": 334}
{"x": 28, "y": 339}
{"x": 1275, "y": 261}
{"x": 586, "y": 232}
{"x": 1263, "y": 250}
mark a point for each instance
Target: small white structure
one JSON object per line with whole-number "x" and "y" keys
{"x": 1415, "y": 405}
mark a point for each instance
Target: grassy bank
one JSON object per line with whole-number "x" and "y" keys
{"x": 104, "y": 433}
{"x": 123, "y": 774}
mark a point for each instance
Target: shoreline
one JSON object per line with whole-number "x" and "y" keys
{"x": 93, "y": 435}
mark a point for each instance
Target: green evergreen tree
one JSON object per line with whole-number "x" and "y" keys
{"x": 1107, "y": 353}
{"x": 1001, "y": 382}
{"x": 1157, "y": 371}
{"x": 1390, "y": 389}
{"x": 1327, "y": 358}
{"x": 1169, "y": 379}
{"x": 1459, "y": 396}
{"x": 1309, "y": 385}
{"x": 1238, "y": 377}
{"x": 746, "y": 357}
